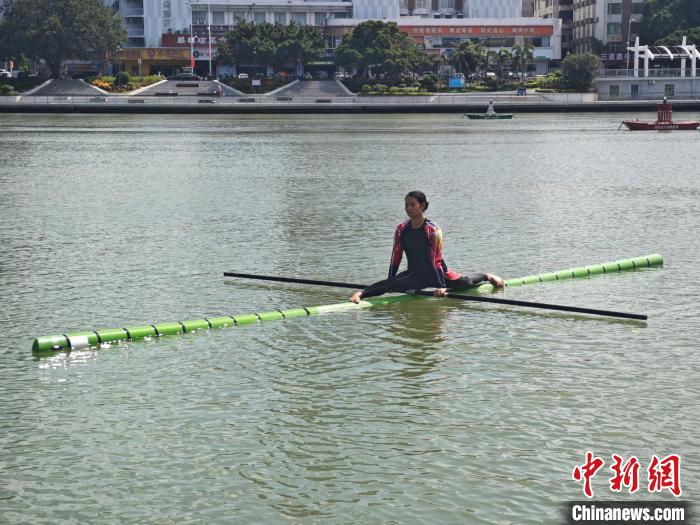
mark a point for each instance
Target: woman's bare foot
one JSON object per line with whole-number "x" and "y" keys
{"x": 356, "y": 297}
{"x": 495, "y": 280}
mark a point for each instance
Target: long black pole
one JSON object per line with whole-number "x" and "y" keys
{"x": 293, "y": 280}
{"x": 480, "y": 299}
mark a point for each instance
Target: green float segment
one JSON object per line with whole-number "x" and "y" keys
{"x": 76, "y": 340}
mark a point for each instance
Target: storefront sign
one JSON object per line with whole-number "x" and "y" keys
{"x": 170, "y": 40}
{"x": 203, "y": 54}
{"x": 151, "y": 53}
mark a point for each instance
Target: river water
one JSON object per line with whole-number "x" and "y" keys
{"x": 430, "y": 411}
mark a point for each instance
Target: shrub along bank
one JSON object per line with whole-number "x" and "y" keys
{"x": 122, "y": 82}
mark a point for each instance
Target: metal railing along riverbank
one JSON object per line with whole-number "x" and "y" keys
{"x": 212, "y": 104}
{"x": 438, "y": 99}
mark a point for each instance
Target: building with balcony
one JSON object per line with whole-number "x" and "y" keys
{"x": 441, "y": 36}
{"x": 461, "y": 8}
{"x": 167, "y": 34}
{"x": 562, "y": 9}
{"x": 615, "y": 23}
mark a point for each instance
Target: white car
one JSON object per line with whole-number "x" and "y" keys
{"x": 243, "y": 76}
{"x": 4, "y": 73}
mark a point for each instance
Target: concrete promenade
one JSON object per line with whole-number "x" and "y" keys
{"x": 307, "y": 97}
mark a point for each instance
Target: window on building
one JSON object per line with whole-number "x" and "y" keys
{"x": 637, "y": 9}
{"x": 343, "y": 14}
{"x": 320, "y": 18}
{"x": 614, "y": 28}
{"x": 447, "y": 4}
{"x": 614, "y": 9}
{"x": 299, "y": 18}
{"x": 217, "y": 18}
{"x": 669, "y": 90}
{"x": 199, "y": 18}
{"x": 421, "y": 4}
{"x": 238, "y": 15}
{"x": 259, "y": 17}
{"x": 281, "y": 18}
{"x": 614, "y": 91}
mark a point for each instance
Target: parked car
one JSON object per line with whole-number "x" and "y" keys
{"x": 4, "y": 73}
{"x": 322, "y": 75}
{"x": 243, "y": 76}
{"x": 307, "y": 76}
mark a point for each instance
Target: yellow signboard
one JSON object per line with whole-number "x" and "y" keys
{"x": 160, "y": 54}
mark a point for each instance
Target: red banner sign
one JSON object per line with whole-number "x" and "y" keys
{"x": 474, "y": 30}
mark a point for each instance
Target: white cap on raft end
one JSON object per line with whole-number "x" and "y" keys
{"x": 77, "y": 342}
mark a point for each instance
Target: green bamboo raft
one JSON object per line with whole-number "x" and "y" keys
{"x": 95, "y": 338}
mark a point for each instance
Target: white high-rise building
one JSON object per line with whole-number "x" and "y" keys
{"x": 147, "y": 20}
{"x": 493, "y": 8}
{"x": 376, "y": 9}
{"x": 462, "y": 8}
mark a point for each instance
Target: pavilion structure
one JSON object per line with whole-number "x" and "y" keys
{"x": 683, "y": 52}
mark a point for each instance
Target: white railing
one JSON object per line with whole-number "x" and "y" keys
{"x": 655, "y": 72}
{"x": 277, "y": 100}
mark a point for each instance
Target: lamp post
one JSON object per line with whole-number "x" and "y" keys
{"x": 629, "y": 33}
{"x": 189, "y": 4}
{"x": 209, "y": 33}
{"x": 119, "y": 61}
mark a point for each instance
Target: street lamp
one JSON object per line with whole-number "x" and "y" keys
{"x": 189, "y": 4}
{"x": 119, "y": 61}
{"x": 629, "y": 32}
{"x": 209, "y": 33}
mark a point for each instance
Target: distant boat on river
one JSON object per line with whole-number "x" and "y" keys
{"x": 490, "y": 114}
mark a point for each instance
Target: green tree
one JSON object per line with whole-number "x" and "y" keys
{"x": 521, "y": 58}
{"x": 58, "y": 30}
{"x": 271, "y": 44}
{"x": 503, "y": 57}
{"x": 597, "y": 46}
{"x": 300, "y": 45}
{"x": 468, "y": 57}
{"x": 579, "y": 70}
{"x": 663, "y": 17}
{"x": 675, "y": 38}
{"x": 375, "y": 47}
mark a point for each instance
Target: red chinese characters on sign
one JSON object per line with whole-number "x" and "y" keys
{"x": 662, "y": 473}
{"x": 586, "y": 471}
{"x": 665, "y": 474}
{"x": 625, "y": 475}
{"x": 477, "y": 30}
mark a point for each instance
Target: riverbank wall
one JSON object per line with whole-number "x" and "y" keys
{"x": 531, "y": 103}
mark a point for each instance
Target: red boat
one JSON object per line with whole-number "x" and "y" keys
{"x": 663, "y": 121}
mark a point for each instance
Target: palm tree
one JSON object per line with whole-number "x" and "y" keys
{"x": 521, "y": 57}
{"x": 502, "y": 58}
{"x": 468, "y": 56}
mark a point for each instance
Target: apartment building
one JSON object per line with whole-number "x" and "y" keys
{"x": 562, "y": 9}
{"x": 461, "y": 8}
{"x": 167, "y": 34}
{"x": 147, "y": 20}
{"x": 615, "y": 23}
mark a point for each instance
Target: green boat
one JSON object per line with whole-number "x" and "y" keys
{"x": 486, "y": 116}
{"x": 97, "y": 338}
{"x": 489, "y": 115}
